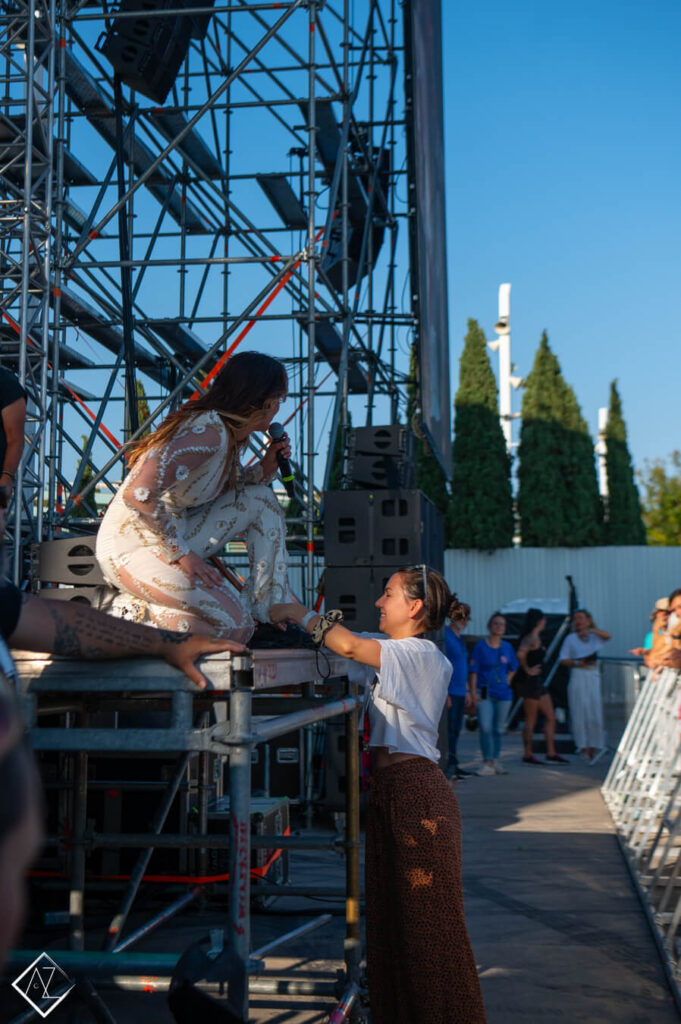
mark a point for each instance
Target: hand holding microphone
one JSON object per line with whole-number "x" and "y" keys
{"x": 278, "y": 435}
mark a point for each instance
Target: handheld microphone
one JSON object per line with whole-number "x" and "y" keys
{"x": 277, "y": 432}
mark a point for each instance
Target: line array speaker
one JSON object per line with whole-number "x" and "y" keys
{"x": 147, "y": 52}
{"x": 382, "y": 528}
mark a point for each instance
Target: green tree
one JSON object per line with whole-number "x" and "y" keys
{"x": 480, "y": 514}
{"x": 583, "y": 507}
{"x": 428, "y": 475}
{"x": 662, "y": 501}
{"x": 624, "y": 524}
{"x": 142, "y": 406}
{"x": 558, "y": 500}
{"x": 84, "y": 509}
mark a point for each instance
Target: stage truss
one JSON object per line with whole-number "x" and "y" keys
{"x": 265, "y": 205}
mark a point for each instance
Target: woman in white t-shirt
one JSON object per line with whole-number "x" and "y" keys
{"x": 420, "y": 965}
{"x": 578, "y": 653}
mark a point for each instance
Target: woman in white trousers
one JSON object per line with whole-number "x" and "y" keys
{"x": 579, "y": 654}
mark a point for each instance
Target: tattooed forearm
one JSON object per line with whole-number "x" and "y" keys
{"x": 83, "y": 633}
{"x": 66, "y": 640}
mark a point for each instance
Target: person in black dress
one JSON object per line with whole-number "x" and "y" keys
{"x": 529, "y": 684}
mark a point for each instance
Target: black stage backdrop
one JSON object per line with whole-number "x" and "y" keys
{"x": 427, "y": 240}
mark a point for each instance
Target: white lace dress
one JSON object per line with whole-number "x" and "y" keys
{"x": 173, "y": 502}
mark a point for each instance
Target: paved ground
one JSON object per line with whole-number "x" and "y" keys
{"x": 556, "y": 926}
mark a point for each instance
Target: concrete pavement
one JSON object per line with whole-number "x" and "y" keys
{"x": 556, "y": 925}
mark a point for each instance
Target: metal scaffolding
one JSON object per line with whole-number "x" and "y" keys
{"x": 643, "y": 793}
{"x": 142, "y": 244}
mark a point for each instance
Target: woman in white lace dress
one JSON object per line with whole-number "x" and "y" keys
{"x": 186, "y": 495}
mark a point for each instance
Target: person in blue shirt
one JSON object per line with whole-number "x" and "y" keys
{"x": 455, "y": 648}
{"x": 492, "y": 667}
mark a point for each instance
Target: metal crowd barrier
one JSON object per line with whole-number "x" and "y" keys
{"x": 79, "y": 691}
{"x": 643, "y": 793}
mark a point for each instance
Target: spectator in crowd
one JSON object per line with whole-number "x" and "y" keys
{"x": 455, "y": 648}
{"x": 529, "y": 684}
{"x": 12, "y": 420}
{"x": 655, "y": 643}
{"x": 579, "y": 654}
{"x": 492, "y": 667}
{"x": 669, "y": 656}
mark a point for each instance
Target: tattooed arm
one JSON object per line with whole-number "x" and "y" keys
{"x": 76, "y": 631}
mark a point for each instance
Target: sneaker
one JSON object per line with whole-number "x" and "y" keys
{"x": 487, "y": 769}
{"x": 532, "y": 760}
{"x": 499, "y": 768}
{"x": 556, "y": 759}
{"x": 461, "y": 773}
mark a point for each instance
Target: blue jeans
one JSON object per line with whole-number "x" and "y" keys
{"x": 454, "y": 723}
{"x": 492, "y": 715}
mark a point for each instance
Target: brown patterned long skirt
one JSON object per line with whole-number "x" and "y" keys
{"x": 420, "y": 964}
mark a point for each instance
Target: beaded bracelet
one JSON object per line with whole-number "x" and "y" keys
{"x": 326, "y": 622}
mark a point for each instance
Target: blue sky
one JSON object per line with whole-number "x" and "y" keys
{"x": 563, "y": 151}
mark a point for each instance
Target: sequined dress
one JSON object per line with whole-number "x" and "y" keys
{"x": 174, "y": 501}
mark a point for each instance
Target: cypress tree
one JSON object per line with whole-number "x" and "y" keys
{"x": 540, "y": 480}
{"x": 583, "y": 509}
{"x": 624, "y": 523}
{"x": 558, "y": 500}
{"x": 428, "y": 475}
{"x": 480, "y": 513}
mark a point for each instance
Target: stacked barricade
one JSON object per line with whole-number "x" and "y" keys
{"x": 643, "y": 793}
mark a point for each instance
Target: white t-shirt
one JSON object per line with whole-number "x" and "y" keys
{"x": 574, "y": 647}
{"x": 408, "y": 698}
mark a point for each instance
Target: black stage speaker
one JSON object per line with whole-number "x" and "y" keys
{"x": 396, "y": 440}
{"x": 382, "y": 528}
{"x": 381, "y": 457}
{"x": 355, "y": 591}
{"x": 147, "y": 52}
{"x": 380, "y": 471}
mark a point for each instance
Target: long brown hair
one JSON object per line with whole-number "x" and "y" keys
{"x": 241, "y": 391}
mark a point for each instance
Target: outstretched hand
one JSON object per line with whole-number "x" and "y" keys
{"x": 183, "y": 652}
{"x": 280, "y": 614}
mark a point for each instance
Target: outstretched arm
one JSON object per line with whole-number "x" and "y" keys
{"x": 338, "y": 639}
{"x": 75, "y": 631}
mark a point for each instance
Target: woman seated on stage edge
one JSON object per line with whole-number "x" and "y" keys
{"x": 186, "y": 495}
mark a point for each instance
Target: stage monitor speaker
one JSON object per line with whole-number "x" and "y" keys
{"x": 147, "y": 52}
{"x": 71, "y": 560}
{"x": 382, "y": 528}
